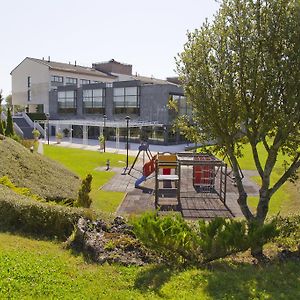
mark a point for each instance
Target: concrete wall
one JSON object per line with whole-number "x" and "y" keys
{"x": 39, "y": 84}
{"x": 154, "y": 100}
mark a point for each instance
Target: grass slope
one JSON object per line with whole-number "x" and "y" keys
{"x": 83, "y": 162}
{"x": 31, "y": 269}
{"x": 41, "y": 175}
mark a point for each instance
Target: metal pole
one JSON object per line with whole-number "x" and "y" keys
{"x": 127, "y": 139}
{"x": 104, "y": 121}
{"x": 48, "y": 129}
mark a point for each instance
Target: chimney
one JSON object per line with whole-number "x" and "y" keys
{"x": 43, "y": 58}
{"x": 75, "y": 63}
{"x": 48, "y": 58}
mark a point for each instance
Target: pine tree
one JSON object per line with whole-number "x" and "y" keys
{"x": 84, "y": 199}
{"x": 9, "y": 130}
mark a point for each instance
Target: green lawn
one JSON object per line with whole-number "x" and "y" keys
{"x": 83, "y": 162}
{"x": 31, "y": 269}
{"x": 285, "y": 199}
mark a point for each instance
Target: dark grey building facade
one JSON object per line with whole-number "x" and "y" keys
{"x": 141, "y": 100}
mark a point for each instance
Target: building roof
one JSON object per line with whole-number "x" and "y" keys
{"x": 150, "y": 80}
{"x": 70, "y": 68}
{"x": 67, "y": 67}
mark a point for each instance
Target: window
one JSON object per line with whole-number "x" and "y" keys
{"x": 84, "y": 81}
{"x": 67, "y": 101}
{"x": 183, "y": 107}
{"x": 71, "y": 80}
{"x": 126, "y": 100}
{"x": 55, "y": 78}
{"x": 29, "y": 81}
{"x": 29, "y": 95}
{"x": 93, "y": 101}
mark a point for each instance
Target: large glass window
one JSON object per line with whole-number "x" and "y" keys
{"x": 67, "y": 101}
{"x": 126, "y": 100}
{"x": 71, "y": 80}
{"x": 94, "y": 101}
{"x": 183, "y": 107}
{"x": 55, "y": 78}
{"x": 84, "y": 81}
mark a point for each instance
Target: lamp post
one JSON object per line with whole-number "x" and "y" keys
{"x": 104, "y": 125}
{"x": 127, "y": 144}
{"x": 48, "y": 131}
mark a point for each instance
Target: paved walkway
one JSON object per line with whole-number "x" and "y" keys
{"x": 93, "y": 145}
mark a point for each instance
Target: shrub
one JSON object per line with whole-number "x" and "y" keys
{"x": 19, "y": 190}
{"x": 84, "y": 199}
{"x": 169, "y": 236}
{"x": 289, "y": 232}
{"x": 205, "y": 241}
{"x": 36, "y": 134}
{"x": 59, "y": 135}
{"x": 28, "y": 143}
{"x": 222, "y": 237}
{"x": 29, "y": 216}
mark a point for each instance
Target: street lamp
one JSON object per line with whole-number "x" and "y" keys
{"x": 48, "y": 131}
{"x": 127, "y": 133}
{"x": 104, "y": 125}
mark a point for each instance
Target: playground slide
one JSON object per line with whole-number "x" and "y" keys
{"x": 139, "y": 181}
{"x": 148, "y": 169}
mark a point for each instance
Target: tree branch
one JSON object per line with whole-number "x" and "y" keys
{"x": 293, "y": 167}
{"x": 265, "y": 144}
{"x": 256, "y": 160}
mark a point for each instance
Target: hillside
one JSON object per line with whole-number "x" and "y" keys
{"x": 41, "y": 175}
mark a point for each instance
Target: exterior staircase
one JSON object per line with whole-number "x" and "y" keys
{"x": 24, "y": 125}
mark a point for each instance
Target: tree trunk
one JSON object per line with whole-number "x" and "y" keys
{"x": 261, "y": 213}
{"x": 242, "y": 200}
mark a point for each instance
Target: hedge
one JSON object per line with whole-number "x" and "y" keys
{"x": 46, "y": 219}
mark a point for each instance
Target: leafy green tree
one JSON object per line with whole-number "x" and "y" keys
{"x": 241, "y": 76}
{"x": 1, "y": 123}
{"x": 9, "y": 130}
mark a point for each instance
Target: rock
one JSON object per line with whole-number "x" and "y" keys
{"x": 112, "y": 243}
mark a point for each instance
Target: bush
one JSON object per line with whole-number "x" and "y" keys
{"x": 28, "y": 143}
{"x": 222, "y": 237}
{"x": 36, "y": 134}
{"x": 289, "y": 233}
{"x": 22, "y": 214}
{"x": 20, "y": 190}
{"x": 205, "y": 241}
{"x": 169, "y": 236}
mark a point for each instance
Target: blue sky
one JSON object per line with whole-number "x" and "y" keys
{"x": 146, "y": 34}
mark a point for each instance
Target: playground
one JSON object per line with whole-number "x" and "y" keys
{"x": 196, "y": 185}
